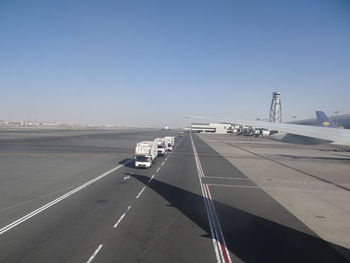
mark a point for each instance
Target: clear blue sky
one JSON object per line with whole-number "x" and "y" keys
{"x": 143, "y": 62}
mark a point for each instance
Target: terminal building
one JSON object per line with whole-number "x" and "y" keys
{"x": 218, "y": 128}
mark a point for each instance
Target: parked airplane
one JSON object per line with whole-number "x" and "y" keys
{"x": 324, "y": 120}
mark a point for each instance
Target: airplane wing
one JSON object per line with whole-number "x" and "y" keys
{"x": 324, "y": 133}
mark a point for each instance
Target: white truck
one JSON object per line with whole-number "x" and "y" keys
{"x": 145, "y": 154}
{"x": 161, "y": 146}
{"x": 169, "y": 143}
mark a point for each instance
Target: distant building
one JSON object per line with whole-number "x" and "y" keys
{"x": 218, "y": 128}
{"x": 15, "y": 123}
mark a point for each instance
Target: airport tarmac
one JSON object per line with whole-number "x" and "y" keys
{"x": 18, "y": 134}
{"x": 79, "y": 199}
{"x": 312, "y": 182}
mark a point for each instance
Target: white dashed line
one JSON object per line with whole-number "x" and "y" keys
{"x": 158, "y": 170}
{"x": 95, "y": 253}
{"x": 129, "y": 207}
{"x": 119, "y": 220}
{"x": 140, "y": 192}
{"x": 44, "y": 207}
{"x": 162, "y": 164}
{"x": 151, "y": 179}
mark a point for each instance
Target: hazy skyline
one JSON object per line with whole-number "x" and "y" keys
{"x": 150, "y": 63}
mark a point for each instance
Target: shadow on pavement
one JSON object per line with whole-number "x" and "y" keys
{"x": 249, "y": 237}
{"x": 316, "y": 157}
{"x": 128, "y": 162}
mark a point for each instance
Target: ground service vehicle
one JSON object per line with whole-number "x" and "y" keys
{"x": 145, "y": 154}
{"x": 161, "y": 146}
{"x": 169, "y": 143}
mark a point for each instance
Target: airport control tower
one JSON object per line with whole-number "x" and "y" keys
{"x": 276, "y": 108}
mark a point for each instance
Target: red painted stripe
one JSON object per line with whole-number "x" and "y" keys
{"x": 225, "y": 253}
{"x": 223, "y": 249}
{"x": 207, "y": 195}
{"x": 207, "y": 187}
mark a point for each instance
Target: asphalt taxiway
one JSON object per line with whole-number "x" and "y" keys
{"x": 79, "y": 199}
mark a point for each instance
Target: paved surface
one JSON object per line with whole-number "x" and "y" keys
{"x": 79, "y": 199}
{"x": 312, "y": 182}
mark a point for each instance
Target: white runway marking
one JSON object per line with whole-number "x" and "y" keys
{"x": 119, "y": 220}
{"x": 127, "y": 177}
{"x": 36, "y": 199}
{"x": 95, "y": 253}
{"x": 221, "y": 251}
{"x": 57, "y": 200}
{"x": 151, "y": 179}
{"x": 140, "y": 192}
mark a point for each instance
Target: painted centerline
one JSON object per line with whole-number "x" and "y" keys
{"x": 95, "y": 253}
{"x": 140, "y": 192}
{"x": 119, "y": 220}
{"x": 151, "y": 179}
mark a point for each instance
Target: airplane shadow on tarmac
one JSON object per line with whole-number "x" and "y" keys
{"x": 249, "y": 237}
